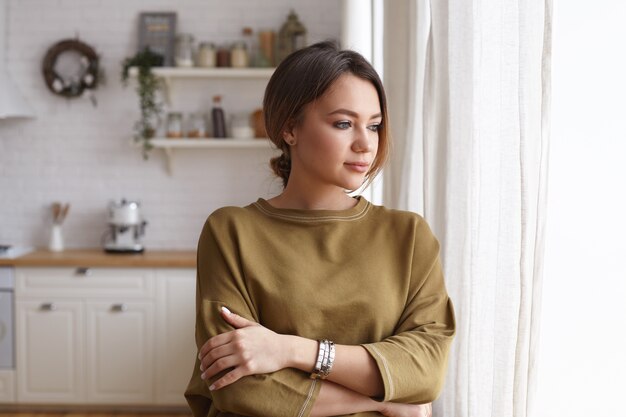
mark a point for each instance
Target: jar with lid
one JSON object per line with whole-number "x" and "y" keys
{"x": 174, "y": 125}
{"x": 206, "y": 55}
{"x": 196, "y": 126}
{"x": 239, "y": 55}
{"x": 184, "y": 50}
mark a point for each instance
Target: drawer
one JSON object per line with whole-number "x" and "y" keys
{"x": 84, "y": 282}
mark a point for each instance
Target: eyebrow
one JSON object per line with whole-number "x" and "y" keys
{"x": 351, "y": 113}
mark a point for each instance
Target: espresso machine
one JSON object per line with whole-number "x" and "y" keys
{"x": 126, "y": 228}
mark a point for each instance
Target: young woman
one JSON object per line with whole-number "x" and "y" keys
{"x": 315, "y": 303}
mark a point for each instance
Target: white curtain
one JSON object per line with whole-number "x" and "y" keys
{"x": 469, "y": 94}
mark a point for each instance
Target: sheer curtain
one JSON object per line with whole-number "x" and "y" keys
{"x": 469, "y": 94}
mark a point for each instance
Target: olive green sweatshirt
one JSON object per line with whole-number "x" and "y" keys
{"x": 367, "y": 276}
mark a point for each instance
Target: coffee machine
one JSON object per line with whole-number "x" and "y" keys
{"x": 126, "y": 228}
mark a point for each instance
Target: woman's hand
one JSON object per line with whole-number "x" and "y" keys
{"x": 250, "y": 349}
{"x": 390, "y": 409}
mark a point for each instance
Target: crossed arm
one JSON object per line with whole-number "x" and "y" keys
{"x": 253, "y": 349}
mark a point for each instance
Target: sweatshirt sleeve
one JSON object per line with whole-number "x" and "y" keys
{"x": 413, "y": 361}
{"x": 288, "y": 392}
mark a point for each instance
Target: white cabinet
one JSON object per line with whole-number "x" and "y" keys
{"x": 103, "y": 336}
{"x": 120, "y": 348}
{"x": 49, "y": 351}
{"x": 176, "y": 346}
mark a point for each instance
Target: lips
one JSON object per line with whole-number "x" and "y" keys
{"x": 358, "y": 166}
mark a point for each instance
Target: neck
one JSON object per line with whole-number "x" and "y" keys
{"x": 314, "y": 198}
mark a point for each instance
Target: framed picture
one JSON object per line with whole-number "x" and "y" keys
{"x": 157, "y": 31}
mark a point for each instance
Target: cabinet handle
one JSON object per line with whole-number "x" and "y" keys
{"x": 119, "y": 307}
{"x": 83, "y": 271}
{"x": 48, "y": 307}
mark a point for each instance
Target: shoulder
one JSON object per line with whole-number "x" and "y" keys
{"x": 226, "y": 220}
{"x": 409, "y": 224}
{"x": 404, "y": 218}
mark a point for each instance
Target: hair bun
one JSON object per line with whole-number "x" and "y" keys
{"x": 281, "y": 165}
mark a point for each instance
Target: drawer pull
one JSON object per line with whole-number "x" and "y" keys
{"x": 119, "y": 307}
{"x": 83, "y": 272}
{"x": 48, "y": 307}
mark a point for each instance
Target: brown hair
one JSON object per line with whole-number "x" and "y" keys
{"x": 303, "y": 77}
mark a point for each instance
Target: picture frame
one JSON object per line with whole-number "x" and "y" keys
{"x": 157, "y": 31}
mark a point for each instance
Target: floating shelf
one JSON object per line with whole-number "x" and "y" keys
{"x": 170, "y": 145}
{"x": 167, "y": 74}
{"x": 176, "y": 72}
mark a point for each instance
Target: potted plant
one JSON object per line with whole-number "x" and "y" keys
{"x": 147, "y": 88}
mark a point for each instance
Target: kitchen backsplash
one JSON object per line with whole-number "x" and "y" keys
{"x": 74, "y": 152}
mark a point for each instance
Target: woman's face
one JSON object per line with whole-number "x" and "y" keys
{"x": 337, "y": 140}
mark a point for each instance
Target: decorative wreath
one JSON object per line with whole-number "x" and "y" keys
{"x": 74, "y": 84}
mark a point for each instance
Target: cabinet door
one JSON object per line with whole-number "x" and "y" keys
{"x": 120, "y": 349}
{"x": 176, "y": 347}
{"x": 50, "y": 352}
{"x": 7, "y": 386}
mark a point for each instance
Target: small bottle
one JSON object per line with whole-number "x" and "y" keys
{"x": 217, "y": 116}
{"x": 251, "y": 46}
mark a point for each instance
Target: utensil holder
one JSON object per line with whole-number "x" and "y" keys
{"x": 56, "y": 238}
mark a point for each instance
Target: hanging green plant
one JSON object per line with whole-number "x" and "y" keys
{"x": 147, "y": 88}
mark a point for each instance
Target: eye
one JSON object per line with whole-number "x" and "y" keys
{"x": 343, "y": 125}
{"x": 375, "y": 128}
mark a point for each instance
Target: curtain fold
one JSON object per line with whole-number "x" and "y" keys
{"x": 469, "y": 92}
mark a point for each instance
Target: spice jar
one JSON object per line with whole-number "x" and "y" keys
{"x": 223, "y": 57}
{"x": 196, "y": 126}
{"x": 184, "y": 50}
{"x": 174, "y": 125}
{"x": 239, "y": 55}
{"x": 206, "y": 55}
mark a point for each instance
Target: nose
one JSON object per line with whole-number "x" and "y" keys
{"x": 363, "y": 140}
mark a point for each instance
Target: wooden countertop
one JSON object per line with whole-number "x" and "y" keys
{"x": 97, "y": 257}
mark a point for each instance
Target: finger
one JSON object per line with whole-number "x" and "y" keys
{"x": 215, "y": 354}
{"x": 235, "y": 320}
{"x": 220, "y": 365}
{"x": 229, "y": 378}
{"x": 214, "y": 342}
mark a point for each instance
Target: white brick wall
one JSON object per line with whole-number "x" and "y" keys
{"x": 76, "y": 153}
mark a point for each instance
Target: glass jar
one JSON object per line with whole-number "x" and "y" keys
{"x": 196, "y": 126}
{"x": 206, "y": 55}
{"x": 240, "y": 126}
{"x": 184, "y": 50}
{"x": 174, "y": 125}
{"x": 223, "y": 57}
{"x": 239, "y": 55}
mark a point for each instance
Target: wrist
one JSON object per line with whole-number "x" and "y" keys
{"x": 300, "y": 353}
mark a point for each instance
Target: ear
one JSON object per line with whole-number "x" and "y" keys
{"x": 289, "y": 134}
